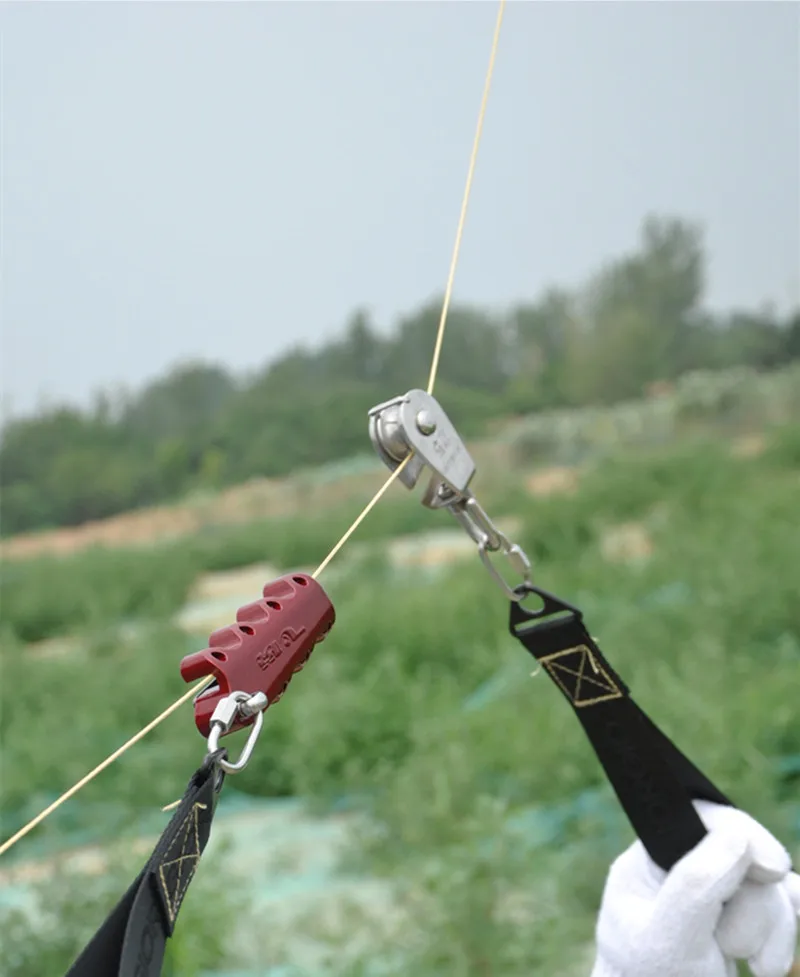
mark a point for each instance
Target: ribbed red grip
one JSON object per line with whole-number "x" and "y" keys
{"x": 271, "y": 640}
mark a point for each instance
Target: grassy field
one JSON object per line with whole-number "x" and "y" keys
{"x": 420, "y": 709}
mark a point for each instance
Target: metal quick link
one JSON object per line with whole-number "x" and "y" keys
{"x": 415, "y": 425}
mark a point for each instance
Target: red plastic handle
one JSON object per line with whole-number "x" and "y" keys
{"x": 271, "y": 640}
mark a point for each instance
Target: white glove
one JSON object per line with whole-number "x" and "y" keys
{"x": 732, "y": 898}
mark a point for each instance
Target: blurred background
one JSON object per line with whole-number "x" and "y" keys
{"x": 225, "y": 232}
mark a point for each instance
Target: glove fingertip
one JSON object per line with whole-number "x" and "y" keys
{"x": 766, "y": 874}
{"x": 776, "y": 956}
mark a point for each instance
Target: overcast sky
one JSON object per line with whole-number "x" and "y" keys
{"x": 219, "y": 180}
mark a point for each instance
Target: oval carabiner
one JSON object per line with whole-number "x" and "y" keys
{"x": 227, "y": 709}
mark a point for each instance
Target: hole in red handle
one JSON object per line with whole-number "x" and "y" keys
{"x": 219, "y": 655}
{"x": 301, "y": 581}
{"x": 274, "y": 605}
{"x": 246, "y": 629}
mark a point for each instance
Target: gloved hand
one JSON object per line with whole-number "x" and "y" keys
{"x": 732, "y": 898}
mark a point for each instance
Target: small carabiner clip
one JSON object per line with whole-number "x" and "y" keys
{"x": 224, "y": 717}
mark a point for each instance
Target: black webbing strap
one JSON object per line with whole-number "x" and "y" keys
{"x": 653, "y": 780}
{"x": 131, "y": 941}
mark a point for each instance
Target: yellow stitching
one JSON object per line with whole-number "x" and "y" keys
{"x": 174, "y": 901}
{"x": 196, "y": 856}
{"x": 581, "y": 667}
{"x": 552, "y": 665}
{"x": 186, "y": 838}
{"x": 583, "y": 677}
{"x": 612, "y": 692}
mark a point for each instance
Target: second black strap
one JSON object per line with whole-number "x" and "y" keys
{"x": 654, "y": 781}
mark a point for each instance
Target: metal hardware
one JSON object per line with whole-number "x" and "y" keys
{"x": 425, "y": 423}
{"x": 225, "y": 715}
{"x": 475, "y": 520}
{"x": 519, "y": 561}
{"x": 415, "y": 425}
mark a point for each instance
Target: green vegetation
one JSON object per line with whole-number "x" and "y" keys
{"x": 421, "y": 706}
{"x": 639, "y": 320}
{"x": 726, "y": 403}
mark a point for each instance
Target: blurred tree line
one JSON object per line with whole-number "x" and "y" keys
{"x": 639, "y": 320}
